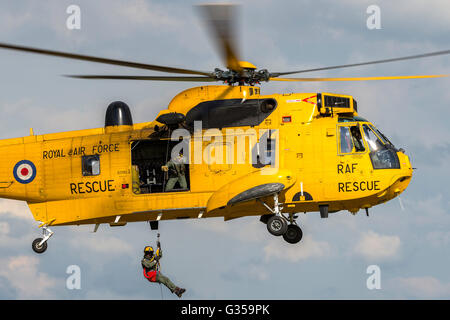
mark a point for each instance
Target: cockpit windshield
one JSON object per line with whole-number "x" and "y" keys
{"x": 382, "y": 136}
{"x": 372, "y": 139}
{"x": 382, "y": 152}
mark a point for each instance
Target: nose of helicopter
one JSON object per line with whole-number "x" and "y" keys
{"x": 402, "y": 179}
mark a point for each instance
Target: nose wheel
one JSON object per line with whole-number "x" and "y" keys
{"x": 279, "y": 225}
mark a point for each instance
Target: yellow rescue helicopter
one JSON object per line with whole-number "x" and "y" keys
{"x": 216, "y": 151}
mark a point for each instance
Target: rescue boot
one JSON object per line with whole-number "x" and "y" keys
{"x": 179, "y": 291}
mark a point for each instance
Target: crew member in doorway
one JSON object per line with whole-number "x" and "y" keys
{"x": 176, "y": 171}
{"x": 150, "y": 265}
{"x": 136, "y": 182}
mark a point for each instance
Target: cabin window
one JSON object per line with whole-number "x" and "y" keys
{"x": 90, "y": 165}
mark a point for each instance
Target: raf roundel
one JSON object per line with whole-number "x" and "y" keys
{"x": 24, "y": 171}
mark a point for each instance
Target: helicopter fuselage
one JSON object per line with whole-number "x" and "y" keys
{"x": 304, "y": 147}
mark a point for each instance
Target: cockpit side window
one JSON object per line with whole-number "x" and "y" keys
{"x": 346, "y": 140}
{"x": 351, "y": 139}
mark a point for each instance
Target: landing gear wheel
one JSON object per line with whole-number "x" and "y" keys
{"x": 277, "y": 226}
{"x": 39, "y": 248}
{"x": 293, "y": 234}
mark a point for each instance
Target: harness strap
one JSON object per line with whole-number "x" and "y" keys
{"x": 150, "y": 275}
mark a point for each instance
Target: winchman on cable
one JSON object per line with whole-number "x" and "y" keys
{"x": 151, "y": 269}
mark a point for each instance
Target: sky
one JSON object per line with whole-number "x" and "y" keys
{"x": 409, "y": 240}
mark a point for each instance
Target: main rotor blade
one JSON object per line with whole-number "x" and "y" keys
{"x": 101, "y": 60}
{"x": 157, "y": 78}
{"x": 221, "y": 22}
{"x": 358, "y": 78}
{"x": 224, "y": 93}
{"x": 425, "y": 55}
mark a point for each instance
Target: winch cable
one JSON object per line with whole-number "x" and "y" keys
{"x": 158, "y": 265}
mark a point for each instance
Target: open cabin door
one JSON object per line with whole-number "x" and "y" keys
{"x": 153, "y": 170}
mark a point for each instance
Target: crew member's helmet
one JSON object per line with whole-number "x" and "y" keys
{"x": 148, "y": 250}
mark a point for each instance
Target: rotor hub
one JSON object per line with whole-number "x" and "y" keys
{"x": 247, "y": 76}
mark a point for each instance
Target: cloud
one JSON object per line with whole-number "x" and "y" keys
{"x": 307, "y": 248}
{"x": 258, "y": 273}
{"x": 11, "y": 21}
{"x": 6, "y": 240}
{"x": 373, "y": 246}
{"x": 21, "y": 273}
{"x": 245, "y": 229}
{"x": 421, "y": 287}
{"x": 438, "y": 238}
{"x": 56, "y": 119}
{"x": 4, "y": 229}
{"x": 15, "y": 235}
{"x": 101, "y": 244}
{"x": 435, "y": 208}
{"x": 140, "y": 13}
{"x": 15, "y": 208}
